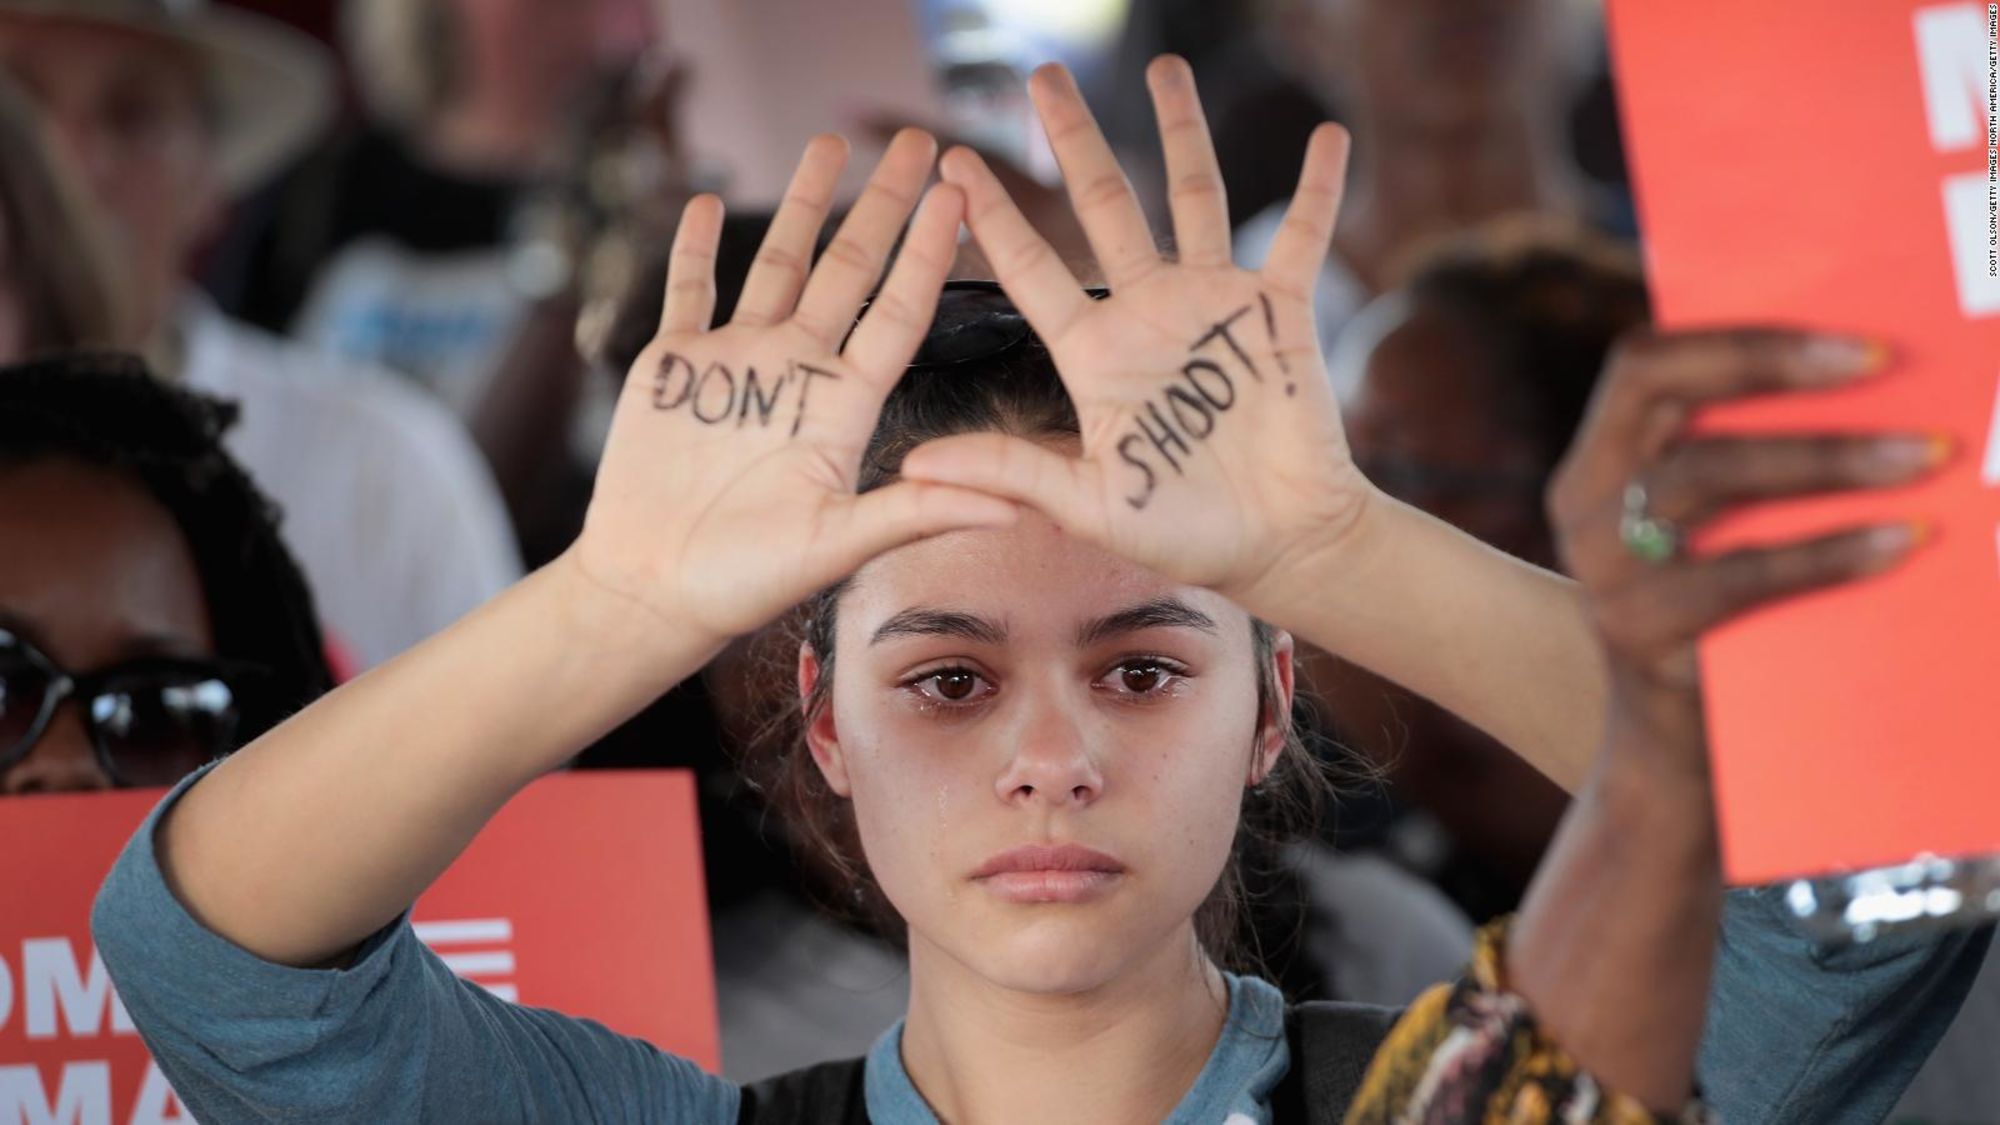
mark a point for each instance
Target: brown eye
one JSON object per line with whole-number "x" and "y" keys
{"x": 955, "y": 686}
{"x": 1140, "y": 679}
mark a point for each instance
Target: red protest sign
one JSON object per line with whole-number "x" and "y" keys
{"x": 1829, "y": 168}
{"x": 584, "y": 894}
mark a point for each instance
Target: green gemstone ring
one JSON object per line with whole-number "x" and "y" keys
{"x": 1647, "y": 537}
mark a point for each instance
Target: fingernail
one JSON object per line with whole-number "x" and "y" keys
{"x": 1942, "y": 446}
{"x": 1899, "y": 456}
{"x": 1898, "y": 538}
{"x": 1844, "y": 357}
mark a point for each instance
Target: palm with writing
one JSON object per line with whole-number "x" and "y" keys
{"x": 1212, "y": 445}
{"x": 726, "y": 493}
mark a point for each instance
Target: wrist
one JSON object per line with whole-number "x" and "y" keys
{"x": 1657, "y": 790}
{"x": 1308, "y": 567}
{"x": 648, "y": 638}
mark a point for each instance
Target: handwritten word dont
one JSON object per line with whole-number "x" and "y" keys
{"x": 718, "y": 395}
{"x": 1192, "y": 405}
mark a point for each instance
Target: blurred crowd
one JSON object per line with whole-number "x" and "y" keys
{"x": 319, "y": 307}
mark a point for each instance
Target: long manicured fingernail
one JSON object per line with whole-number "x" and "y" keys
{"x": 1900, "y": 456}
{"x": 1942, "y": 446}
{"x": 1897, "y": 539}
{"x": 1836, "y": 358}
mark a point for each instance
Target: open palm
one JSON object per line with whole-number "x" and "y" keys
{"x": 1212, "y": 444}
{"x": 727, "y": 490}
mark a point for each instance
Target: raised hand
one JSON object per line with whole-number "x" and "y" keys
{"x": 1614, "y": 943}
{"x": 1650, "y": 612}
{"x": 1212, "y": 444}
{"x": 726, "y": 493}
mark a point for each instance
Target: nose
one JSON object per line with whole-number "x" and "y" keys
{"x": 1052, "y": 760}
{"x": 61, "y": 761}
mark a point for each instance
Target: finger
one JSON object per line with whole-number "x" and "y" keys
{"x": 850, "y": 265}
{"x": 689, "y": 302}
{"x": 1061, "y": 487}
{"x": 1098, "y": 189}
{"x": 1027, "y": 267}
{"x": 1195, "y": 191}
{"x": 905, "y": 512}
{"x": 1698, "y": 479}
{"x": 894, "y": 326}
{"x": 1652, "y": 380}
{"x": 1299, "y": 250}
{"x": 779, "y": 270}
{"x": 1696, "y": 597}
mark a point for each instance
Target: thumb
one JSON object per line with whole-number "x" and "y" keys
{"x": 906, "y": 511}
{"x": 1063, "y": 488}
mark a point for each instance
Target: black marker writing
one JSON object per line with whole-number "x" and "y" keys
{"x": 1183, "y": 403}
{"x": 1162, "y": 436}
{"x": 1145, "y": 490}
{"x": 805, "y": 388}
{"x": 751, "y": 397}
{"x": 1221, "y": 401}
{"x": 1221, "y": 331}
{"x": 664, "y": 378}
{"x": 1271, "y": 330}
{"x": 1190, "y": 409}
{"x": 728, "y": 395}
{"x": 716, "y": 395}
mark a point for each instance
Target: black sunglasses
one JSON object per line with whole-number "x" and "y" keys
{"x": 975, "y": 321}
{"x": 151, "y": 721}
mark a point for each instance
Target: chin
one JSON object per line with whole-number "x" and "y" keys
{"x": 1051, "y": 949}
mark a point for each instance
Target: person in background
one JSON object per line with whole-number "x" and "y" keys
{"x": 158, "y": 623}
{"x": 164, "y": 111}
{"x": 452, "y": 233}
{"x": 57, "y": 281}
{"x": 1462, "y": 389}
{"x": 1460, "y": 114}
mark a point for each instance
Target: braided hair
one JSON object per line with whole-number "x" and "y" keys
{"x": 108, "y": 411}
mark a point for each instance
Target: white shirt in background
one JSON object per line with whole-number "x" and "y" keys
{"x": 387, "y": 505}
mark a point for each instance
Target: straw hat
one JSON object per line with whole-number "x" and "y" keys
{"x": 271, "y": 86}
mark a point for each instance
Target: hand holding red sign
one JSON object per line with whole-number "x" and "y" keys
{"x": 1634, "y": 444}
{"x": 1851, "y": 193}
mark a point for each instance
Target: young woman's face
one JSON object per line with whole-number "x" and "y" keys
{"x": 1016, "y": 689}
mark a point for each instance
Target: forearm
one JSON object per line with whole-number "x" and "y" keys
{"x": 1614, "y": 946}
{"x": 1506, "y": 646}
{"x": 327, "y": 827}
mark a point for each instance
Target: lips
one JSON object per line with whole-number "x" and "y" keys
{"x": 1067, "y": 873}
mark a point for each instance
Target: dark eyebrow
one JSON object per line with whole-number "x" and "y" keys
{"x": 1160, "y": 613}
{"x": 920, "y": 622}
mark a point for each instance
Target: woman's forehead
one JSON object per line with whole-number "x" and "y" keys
{"x": 1031, "y": 575}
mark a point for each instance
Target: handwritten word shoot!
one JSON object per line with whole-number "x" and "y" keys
{"x": 1192, "y": 405}
{"x": 717, "y": 395}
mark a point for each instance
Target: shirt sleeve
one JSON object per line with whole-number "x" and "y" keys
{"x": 1472, "y": 1052}
{"x": 396, "y": 1036}
{"x": 1801, "y": 1031}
